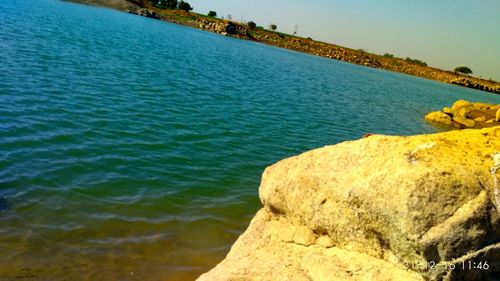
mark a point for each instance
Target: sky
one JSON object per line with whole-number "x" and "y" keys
{"x": 443, "y": 33}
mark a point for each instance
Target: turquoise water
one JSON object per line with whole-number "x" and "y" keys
{"x": 132, "y": 149}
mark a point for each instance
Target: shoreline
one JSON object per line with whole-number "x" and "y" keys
{"x": 304, "y": 45}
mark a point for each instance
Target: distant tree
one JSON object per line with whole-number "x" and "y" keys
{"x": 212, "y": 14}
{"x": 416, "y": 61}
{"x": 184, "y": 6}
{"x": 229, "y": 17}
{"x": 387, "y": 55}
{"x": 273, "y": 27}
{"x": 463, "y": 69}
{"x": 169, "y": 4}
{"x": 252, "y": 25}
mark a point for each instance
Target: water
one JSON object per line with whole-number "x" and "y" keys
{"x": 132, "y": 149}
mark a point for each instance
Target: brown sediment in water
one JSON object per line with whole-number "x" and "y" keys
{"x": 117, "y": 250}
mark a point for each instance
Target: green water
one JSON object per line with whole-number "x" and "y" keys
{"x": 132, "y": 149}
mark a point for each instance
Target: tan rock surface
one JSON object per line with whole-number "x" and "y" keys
{"x": 393, "y": 208}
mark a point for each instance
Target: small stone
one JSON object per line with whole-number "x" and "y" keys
{"x": 325, "y": 241}
{"x": 304, "y": 236}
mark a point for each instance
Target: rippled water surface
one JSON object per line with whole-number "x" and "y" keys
{"x": 132, "y": 149}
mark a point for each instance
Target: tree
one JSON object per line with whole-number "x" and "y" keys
{"x": 184, "y": 6}
{"x": 252, "y": 25}
{"x": 415, "y": 61}
{"x": 212, "y": 14}
{"x": 463, "y": 69}
{"x": 273, "y": 27}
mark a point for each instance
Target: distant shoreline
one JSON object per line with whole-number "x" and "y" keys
{"x": 305, "y": 45}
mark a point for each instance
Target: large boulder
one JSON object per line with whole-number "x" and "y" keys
{"x": 380, "y": 208}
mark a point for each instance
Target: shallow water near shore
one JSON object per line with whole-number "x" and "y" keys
{"x": 132, "y": 149}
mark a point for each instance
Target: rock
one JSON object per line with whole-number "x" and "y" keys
{"x": 325, "y": 241}
{"x": 439, "y": 117}
{"x": 146, "y": 13}
{"x": 497, "y": 115}
{"x": 464, "y": 114}
{"x": 460, "y": 118}
{"x": 385, "y": 207}
{"x": 480, "y": 119}
{"x": 304, "y": 236}
{"x": 459, "y": 104}
{"x": 448, "y": 110}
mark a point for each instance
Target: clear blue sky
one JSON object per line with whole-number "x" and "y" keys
{"x": 443, "y": 33}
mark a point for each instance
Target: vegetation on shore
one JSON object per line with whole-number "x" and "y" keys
{"x": 463, "y": 69}
{"x": 180, "y": 12}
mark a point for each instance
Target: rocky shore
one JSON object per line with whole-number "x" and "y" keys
{"x": 305, "y": 45}
{"x": 380, "y": 208}
{"x": 464, "y": 114}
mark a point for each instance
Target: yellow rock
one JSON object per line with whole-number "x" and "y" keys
{"x": 464, "y": 114}
{"x": 439, "y": 117}
{"x": 464, "y": 121}
{"x": 448, "y": 110}
{"x": 481, "y": 106}
{"x": 384, "y": 208}
{"x": 459, "y": 104}
{"x": 480, "y": 119}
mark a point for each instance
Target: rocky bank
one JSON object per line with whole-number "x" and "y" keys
{"x": 305, "y": 45}
{"x": 464, "y": 114}
{"x": 380, "y": 208}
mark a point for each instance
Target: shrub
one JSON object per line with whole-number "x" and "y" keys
{"x": 387, "y": 55}
{"x": 416, "y": 61}
{"x": 252, "y": 25}
{"x": 273, "y": 27}
{"x": 231, "y": 28}
{"x": 184, "y": 6}
{"x": 463, "y": 69}
{"x": 212, "y": 14}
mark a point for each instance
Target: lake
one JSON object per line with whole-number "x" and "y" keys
{"x": 132, "y": 149}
